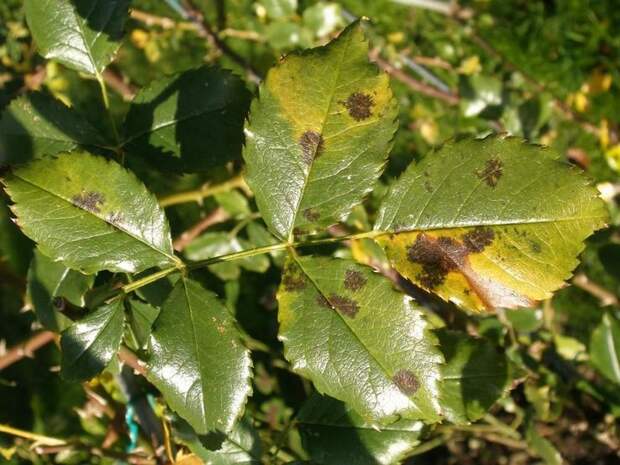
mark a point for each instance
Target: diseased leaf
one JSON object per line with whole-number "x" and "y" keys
{"x": 88, "y": 346}
{"x": 141, "y": 318}
{"x": 319, "y": 135}
{"x": 81, "y": 34}
{"x": 333, "y": 434}
{"x": 197, "y": 360}
{"x": 192, "y": 121}
{"x": 48, "y": 280}
{"x": 37, "y": 124}
{"x": 605, "y": 348}
{"x": 358, "y": 339}
{"x": 90, "y": 214}
{"x": 474, "y": 377}
{"x": 489, "y": 223}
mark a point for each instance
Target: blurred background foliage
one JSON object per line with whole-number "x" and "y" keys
{"x": 546, "y": 70}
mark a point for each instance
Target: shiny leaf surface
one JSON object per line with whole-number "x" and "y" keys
{"x": 358, "y": 339}
{"x": 81, "y": 34}
{"x": 489, "y": 223}
{"x": 88, "y": 346}
{"x": 605, "y": 347}
{"x": 197, "y": 360}
{"x": 319, "y": 135}
{"x": 90, "y": 214}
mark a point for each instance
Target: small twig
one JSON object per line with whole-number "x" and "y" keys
{"x": 38, "y": 438}
{"x": 415, "y": 85}
{"x": 161, "y": 21}
{"x": 198, "y": 195}
{"x": 119, "y": 85}
{"x": 131, "y": 360}
{"x": 603, "y": 295}
{"x": 26, "y": 349}
{"x": 218, "y": 215}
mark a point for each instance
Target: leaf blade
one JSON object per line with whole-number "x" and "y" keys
{"x": 319, "y": 135}
{"x": 90, "y": 213}
{"x": 206, "y": 383}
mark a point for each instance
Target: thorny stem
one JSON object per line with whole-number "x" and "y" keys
{"x": 198, "y": 195}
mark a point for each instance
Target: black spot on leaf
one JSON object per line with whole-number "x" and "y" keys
{"x": 492, "y": 172}
{"x": 311, "y": 143}
{"x": 354, "y": 280}
{"x": 359, "y": 105}
{"x": 293, "y": 279}
{"x": 477, "y": 239}
{"x": 535, "y": 247}
{"x": 322, "y": 301}
{"x": 347, "y": 307}
{"x": 406, "y": 381}
{"x": 91, "y": 201}
{"x": 437, "y": 257}
{"x": 311, "y": 214}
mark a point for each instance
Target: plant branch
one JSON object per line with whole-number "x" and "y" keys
{"x": 26, "y": 349}
{"x": 603, "y": 295}
{"x": 38, "y": 438}
{"x": 218, "y": 215}
{"x": 198, "y": 195}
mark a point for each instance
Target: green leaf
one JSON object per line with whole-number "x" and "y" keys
{"x": 474, "y": 377}
{"x": 81, "y": 34}
{"x": 141, "y": 318}
{"x": 90, "y": 214}
{"x": 197, "y": 360}
{"x": 192, "y": 121}
{"x": 358, "y": 339}
{"x": 38, "y": 124}
{"x": 319, "y": 135}
{"x": 89, "y": 345}
{"x": 489, "y": 223}
{"x": 15, "y": 248}
{"x": 241, "y": 446}
{"x": 333, "y": 434}
{"x": 541, "y": 446}
{"x": 605, "y": 348}
{"x": 48, "y": 279}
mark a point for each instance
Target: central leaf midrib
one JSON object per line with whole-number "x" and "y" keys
{"x": 137, "y": 238}
{"x": 321, "y": 127}
{"x": 353, "y": 333}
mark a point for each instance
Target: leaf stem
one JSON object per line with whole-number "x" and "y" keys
{"x": 44, "y": 440}
{"x": 127, "y": 288}
{"x": 198, "y": 195}
{"x": 106, "y": 103}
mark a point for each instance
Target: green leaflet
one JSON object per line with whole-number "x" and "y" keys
{"x": 333, "y": 434}
{"x": 192, "y": 121}
{"x": 474, "y": 377}
{"x": 319, "y": 135}
{"x": 141, "y": 318}
{"x": 48, "y": 279}
{"x": 197, "y": 360}
{"x": 358, "y": 339}
{"x": 88, "y": 346}
{"x": 489, "y": 223}
{"x": 81, "y": 34}
{"x": 605, "y": 347}
{"x": 90, "y": 214}
{"x": 37, "y": 124}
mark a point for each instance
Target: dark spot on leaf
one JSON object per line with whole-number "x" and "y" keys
{"x": 354, "y": 280}
{"x": 293, "y": 279}
{"x": 359, "y": 105}
{"x": 437, "y": 256}
{"x": 406, "y": 382}
{"x": 311, "y": 146}
{"x": 90, "y": 201}
{"x": 477, "y": 239}
{"x": 115, "y": 217}
{"x": 59, "y": 303}
{"x": 299, "y": 231}
{"x": 322, "y": 301}
{"x": 492, "y": 172}
{"x": 535, "y": 247}
{"x": 428, "y": 187}
{"x": 311, "y": 214}
{"x": 347, "y": 307}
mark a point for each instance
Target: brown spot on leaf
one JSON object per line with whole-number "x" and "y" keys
{"x": 535, "y": 247}
{"x": 115, "y": 217}
{"x": 354, "y": 280}
{"x": 311, "y": 143}
{"x": 347, "y": 307}
{"x": 406, "y": 381}
{"x": 437, "y": 256}
{"x": 311, "y": 214}
{"x": 91, "y": 201}
{"x": 477, "y": 239}
{"x": 492, "y": 172}
{"x": 322, "y": 301}
{"x": 359, "y": 105}
{"x": 293, "y": 279}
